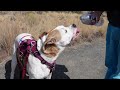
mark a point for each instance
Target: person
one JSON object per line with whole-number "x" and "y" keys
{"x": 112, "y": 57}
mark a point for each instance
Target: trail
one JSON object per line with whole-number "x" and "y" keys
{"x": 82, "y": 61}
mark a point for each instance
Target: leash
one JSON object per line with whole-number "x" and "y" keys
{"x": 27, "y": 47}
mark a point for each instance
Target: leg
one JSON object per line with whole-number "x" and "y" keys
{"x": 117, "y": 38}
{"x": 117, "y": 75}
{"x": 111, "y": 58}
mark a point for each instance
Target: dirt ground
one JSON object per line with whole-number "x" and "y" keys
{"x": 81, "y": 61}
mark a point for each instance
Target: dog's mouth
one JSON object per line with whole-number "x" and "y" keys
{"x": 76, "y": 31}
{"x": 75, "y": 37}
{"x": 76, "y": 34}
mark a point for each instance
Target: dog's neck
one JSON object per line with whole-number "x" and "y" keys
{"x": 50, "y": 58}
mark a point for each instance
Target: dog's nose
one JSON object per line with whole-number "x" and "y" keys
{"x": 73, "y": 25}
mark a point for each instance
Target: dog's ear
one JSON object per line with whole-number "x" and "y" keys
{"x": 53, "y": 37}
{"x": 51, "y": 41}
{"x": 50, "y": 48}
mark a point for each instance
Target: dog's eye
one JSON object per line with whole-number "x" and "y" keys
{"x": 65, "y": 31}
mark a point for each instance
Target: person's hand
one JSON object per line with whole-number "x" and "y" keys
{"x": 91, "y": 18}
{"x": 95, "y": 17}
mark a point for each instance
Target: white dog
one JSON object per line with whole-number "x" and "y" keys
{"x": 49, "y": 46}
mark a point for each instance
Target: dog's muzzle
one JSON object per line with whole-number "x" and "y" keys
{"x": 76, "y": 32}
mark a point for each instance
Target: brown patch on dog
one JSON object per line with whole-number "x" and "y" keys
{"x": 44, "y": 33}
{"x": 50, "y": 48}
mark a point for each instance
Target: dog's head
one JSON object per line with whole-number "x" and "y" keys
{"x": 60, "y": 36}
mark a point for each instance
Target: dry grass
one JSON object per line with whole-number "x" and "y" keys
{"x": 14, "y": 23}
